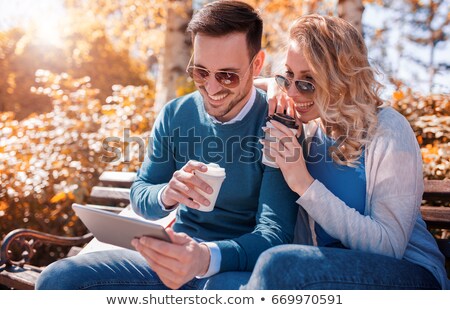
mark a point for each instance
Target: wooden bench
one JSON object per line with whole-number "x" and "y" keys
{"x": 113, "y": 194}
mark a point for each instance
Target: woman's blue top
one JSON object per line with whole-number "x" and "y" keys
{"x": 346, "y": 183}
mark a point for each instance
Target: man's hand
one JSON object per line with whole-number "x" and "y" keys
{"x": 184, "y": 187}
{"x": 175, "y": 263}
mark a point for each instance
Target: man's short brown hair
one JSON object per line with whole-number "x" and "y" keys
{"x": 224, "y": 17}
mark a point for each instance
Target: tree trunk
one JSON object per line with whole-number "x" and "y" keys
{"x": 175, "y": 54}
{"x": 351, "y": 11}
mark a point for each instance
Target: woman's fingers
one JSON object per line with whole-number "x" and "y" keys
{"x": 282, "y": 128}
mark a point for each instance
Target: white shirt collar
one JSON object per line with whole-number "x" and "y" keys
{"x": 242, "y": 113}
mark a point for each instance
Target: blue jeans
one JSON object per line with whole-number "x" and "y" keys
{"x": 301, "y": 267}
{"x": 121, "y": 270}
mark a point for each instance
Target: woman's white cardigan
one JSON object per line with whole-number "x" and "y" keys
{"x": 392, "y": 224}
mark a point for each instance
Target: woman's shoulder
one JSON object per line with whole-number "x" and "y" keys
{"x": 392, "y": 121}
{"x": 393, "y": 130}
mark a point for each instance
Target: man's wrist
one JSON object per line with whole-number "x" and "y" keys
{"x": 162, "y": 204}
{"x": 205, "y": 264}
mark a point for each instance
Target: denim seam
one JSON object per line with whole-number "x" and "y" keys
{"x": 116, "y": 282}
{"x": 384, "y": 285}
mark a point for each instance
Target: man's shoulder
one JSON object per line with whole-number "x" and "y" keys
{"x": 261, "y": 96}
{"x": 189, "y": 100}
{"x": 260, "y": 105}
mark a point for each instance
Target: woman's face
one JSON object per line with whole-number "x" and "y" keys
{"x": 298, "y": 69}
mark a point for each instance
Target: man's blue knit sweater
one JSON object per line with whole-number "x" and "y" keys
{"x": 255, "y": 209}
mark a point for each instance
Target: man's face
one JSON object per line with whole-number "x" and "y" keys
{"x": 225, "y": 53}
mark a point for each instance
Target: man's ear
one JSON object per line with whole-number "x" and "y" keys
{"x": 258, "y": 62}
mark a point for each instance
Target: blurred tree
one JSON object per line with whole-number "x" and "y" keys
{"x": 153, "y": 32}
{"x": 430, "y": 23}
{"x": 175, "y": 54}
{"x": 351, "y": 11}
{"x": 411, "y": 34}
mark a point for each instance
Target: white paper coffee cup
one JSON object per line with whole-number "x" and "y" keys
{"x": 214, "y": 176}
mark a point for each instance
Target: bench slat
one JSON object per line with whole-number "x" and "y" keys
{"x": 117, "y": 179}
{"x": 19, "y": 278}
{"x": 436, "y": 217}
{"x": 437, "y": 189}
{"x": 110, "y": 196}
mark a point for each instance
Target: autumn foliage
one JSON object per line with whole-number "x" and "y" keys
{"x": 50, "y": 160}
{"x": 429, "y": 117}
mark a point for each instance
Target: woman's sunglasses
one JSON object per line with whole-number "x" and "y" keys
{"x": 303, "y": 87}
{"x": 227, "y": 79}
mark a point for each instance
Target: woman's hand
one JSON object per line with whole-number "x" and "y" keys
{"x": 288, "y": 155}
{"x": 278, "y": 101}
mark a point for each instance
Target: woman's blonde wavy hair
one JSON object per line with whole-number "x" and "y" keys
{"x": 347, "y": 93}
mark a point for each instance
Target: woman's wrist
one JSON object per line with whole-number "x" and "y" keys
{"x": 304, "y": 184}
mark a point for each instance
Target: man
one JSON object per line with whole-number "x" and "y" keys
{"x": 220, "y": 123}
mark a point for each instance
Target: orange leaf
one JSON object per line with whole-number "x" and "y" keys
{"x": 58, "y": 197}
{"x": 3, "y": 206}
{"x": 71, "y": 195}
{"x": 398, "y": 95}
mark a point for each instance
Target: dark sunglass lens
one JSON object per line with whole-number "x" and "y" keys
{"x": 227, "y": 79}
{"x": 200, "y": 73}
{"x": 282, "y": 82}
{"x": 305, "y": 87}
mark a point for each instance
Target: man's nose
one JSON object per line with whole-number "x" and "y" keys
{"x": 212, "y": 86}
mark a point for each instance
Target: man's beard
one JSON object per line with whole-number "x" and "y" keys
{"x": 224, "y": 110}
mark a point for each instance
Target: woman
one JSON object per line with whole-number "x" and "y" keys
{"x": 360, "y": 182}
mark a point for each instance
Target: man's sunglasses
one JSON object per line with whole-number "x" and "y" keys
{"x": 227, "y": 79}
{"x": 303, "y": 87}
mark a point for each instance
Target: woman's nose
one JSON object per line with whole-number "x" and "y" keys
{"x": 292, "y": 91}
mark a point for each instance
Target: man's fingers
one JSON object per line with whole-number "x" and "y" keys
{"x": 165, "y": 274}
{"x": 178, "y": 238}
{"x": 182, "y": 198}
{"x": 168, "y": 249}
{"x": 187, "y": 195}
{"x": 192, "y": 180}
{"x": 194, "y": 165}
{"x": 163, "y": 261}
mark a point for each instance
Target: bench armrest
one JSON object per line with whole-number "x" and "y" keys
{"x": 28, "y": 240}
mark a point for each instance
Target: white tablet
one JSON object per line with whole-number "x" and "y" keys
{"x": 116, "y": 229}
